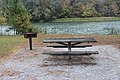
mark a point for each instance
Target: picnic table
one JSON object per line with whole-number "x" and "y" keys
{"x": 70, "y": 43}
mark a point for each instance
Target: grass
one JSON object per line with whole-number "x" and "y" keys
{"x": 87, "y": 19}
{"x": 10, "y": 44}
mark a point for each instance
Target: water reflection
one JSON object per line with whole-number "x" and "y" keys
{"x": 5, "y": 30}
{"x": 78, "y": 27}
{"x": 73, "y": 28}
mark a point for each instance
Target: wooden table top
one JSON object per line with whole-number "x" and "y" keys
{"x": 57, "y": 40}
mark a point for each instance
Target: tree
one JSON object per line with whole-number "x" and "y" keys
{"x": 90, "y": 11}
{"x": 39, "y": 9}
{"x": 47, "y": 10}
{"x": 2, "y": 20}
{"x": 78, "y": 9}
{"x": 17, "y": 16}
{"x": 110, "y": 8}
{"x": 59, "y": 11}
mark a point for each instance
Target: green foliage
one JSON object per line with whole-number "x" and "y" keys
{"x": 110, "y": 8}
{"x": 90, "y": 12}
{"x": 47, "y": 10}
{"x": 60, "y": 11}
{"x": 2, "y": 18}
{"x": 78, "y": 9}
{"x": 17, "y": 16}
{"x": 23, "y": 24}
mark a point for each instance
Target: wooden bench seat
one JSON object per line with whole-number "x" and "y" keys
{"x": 73, "y": 46}
{"x": 72, "y": 53}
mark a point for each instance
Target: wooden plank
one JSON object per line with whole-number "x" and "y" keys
{"x": 55, "y": 40}
{"x": 73, "y": 46}
{"x": 72, "y": 53}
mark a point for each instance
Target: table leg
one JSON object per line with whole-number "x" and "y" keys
{"x": 69, "y": 49}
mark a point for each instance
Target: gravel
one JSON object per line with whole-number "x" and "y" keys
{"x": 33, "y": 65}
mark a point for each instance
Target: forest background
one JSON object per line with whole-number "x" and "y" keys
{"x": 48, "y": 10}
{"x": 20, "y": 14}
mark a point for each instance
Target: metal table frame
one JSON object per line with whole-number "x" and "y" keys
{"x": 69, "y": 42}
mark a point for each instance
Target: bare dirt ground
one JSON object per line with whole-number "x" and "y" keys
{"x": 33, "y": 65}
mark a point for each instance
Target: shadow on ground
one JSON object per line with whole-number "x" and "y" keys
{"x": 64, "y": 60}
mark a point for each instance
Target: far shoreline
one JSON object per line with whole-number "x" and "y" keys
{"x": 90, "y": 19}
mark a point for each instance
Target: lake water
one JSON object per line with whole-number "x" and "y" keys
{"x": 75, "y": 28}
{"x": 79, "y": 27}
{"x": 4, "y": 30}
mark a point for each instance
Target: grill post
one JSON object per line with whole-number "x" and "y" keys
{"x": 30, "y": 43}
{"x": 30, "y": 36}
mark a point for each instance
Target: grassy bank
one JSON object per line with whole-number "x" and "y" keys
{"x": 87, "y": 19}
{"x": 10, "y": 44}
